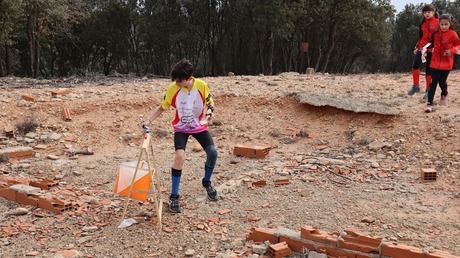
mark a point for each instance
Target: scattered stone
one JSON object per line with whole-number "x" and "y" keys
{"x": 31, "y": 135}
{"x": 52, "y": 157}
{"x": 44, "y": 138}
{"x": 376, "y": 145}
{"x": 54, "y": 136}
{"x": 24, "y": 166}
{"x": 29, "y": 140}
{"x": 91, "y": 166}
{"x": 76, "y": 173}
{"x": 196, "y": 147}
{"x": 19, "y": 211}
{"x": 234, "y": 161}
{"x": 33, "y": 253}
{"x": 375, "y": 164}
{"x": 40, "y": 147}
{"x": 189, "y": 252}
{"x": 259, "y": 249}
{"x": 83, "y": 240}
{"x": 90, "y": 228}
{"x": 67, "y": 254}
{"x": 368, "y": 220}
{"x": 313, "y": 254}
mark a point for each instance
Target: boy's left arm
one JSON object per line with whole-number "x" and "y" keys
{"x": 209, "y": 101}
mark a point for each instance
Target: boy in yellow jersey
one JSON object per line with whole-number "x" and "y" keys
{"x": 193, "y": 103}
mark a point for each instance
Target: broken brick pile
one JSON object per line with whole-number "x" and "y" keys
{"x": 48, "y": 201}
{"x": 347, "y": 244}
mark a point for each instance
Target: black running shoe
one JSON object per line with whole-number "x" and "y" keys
{"x": 174, "y": 206}
{"x": 212, "y": 193}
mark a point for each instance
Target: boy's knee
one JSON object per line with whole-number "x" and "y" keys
{"x": 180, "y": 155}
{"x": 211, "y": 158}
{"x": 211, "y": 152}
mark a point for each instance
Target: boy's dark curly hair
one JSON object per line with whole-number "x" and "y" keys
{"x": 182, "y": 70}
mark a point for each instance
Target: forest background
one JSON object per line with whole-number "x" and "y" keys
{"x": 56, "y": 38}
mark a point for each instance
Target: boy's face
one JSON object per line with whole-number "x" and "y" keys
{"x": 184, "y": 82}
{"x": 428, "y": 14}
{"x": 444, "y": 24}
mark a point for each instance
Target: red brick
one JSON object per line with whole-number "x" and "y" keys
{"x": 13, "y": 180}
{"x": 401, "y": 251}
{"x": 17, "y": 152}
{"x": 281, "y": 181}
{"x": 335, "y": 252}
{"x": 279, "y": 250}
{"x": 262, "y": 235}
{"x": 9, "y": 131}
{"x": 28, "y": 98}
{"x": 310, "y": 233}
{"x": 359, "y": 242}
{"x": 441, "y": 254}
{"x": 54, "y": 205}
{"x": 429, "y": 174}
{"x": 60, "y": 92}
{"x": 43, "y": 183}
{"x": 8, "y": 194}
{"x": 251, "y": 151}
{"x": 26, "y": 199}
{"x": 296, "y": 245}
{"x": 260, "y": 183}
{"x": 67, "y": 116}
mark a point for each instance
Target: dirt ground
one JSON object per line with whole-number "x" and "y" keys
{"x": 345, "y": 169}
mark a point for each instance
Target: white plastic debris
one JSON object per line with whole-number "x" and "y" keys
{"x": 127, "y": 223}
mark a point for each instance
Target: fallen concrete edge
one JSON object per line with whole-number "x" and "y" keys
{"x": 348, "y": 104}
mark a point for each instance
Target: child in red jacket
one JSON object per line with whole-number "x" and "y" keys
{"x": 429, "y": 25}
{"x": 446, "y": 45}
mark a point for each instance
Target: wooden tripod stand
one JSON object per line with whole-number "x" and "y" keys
{"x": 146, "y": 150}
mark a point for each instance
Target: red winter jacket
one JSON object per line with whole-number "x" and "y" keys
{"x": 444, "y": 40}
{"x": 427, "y": 29}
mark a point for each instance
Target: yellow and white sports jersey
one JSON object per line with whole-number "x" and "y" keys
{"x": 189, "y": 105}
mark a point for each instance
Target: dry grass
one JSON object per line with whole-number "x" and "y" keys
{"x": 29, "y": 124}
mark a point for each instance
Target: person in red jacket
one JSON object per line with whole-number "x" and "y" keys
{"x": 429, "y": 25}
{"x": 446, "y": 45}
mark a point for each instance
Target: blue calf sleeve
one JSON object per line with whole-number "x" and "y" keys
{"x": 211, "y": 157}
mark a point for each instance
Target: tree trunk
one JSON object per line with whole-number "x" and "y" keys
{"x": 261, "y": 54}
{"x": 7, "y": 59}
{"x": 37, "y": 58}
{"x": 332, "y": 35}
{"x": 318, "y": 61}
{"x": 350, "y": 63}
{"x": 31, "y": 43}
{"x": 331, "y": 46}
{"x": 270, "y": 53}
{"x": 2, "y": 73}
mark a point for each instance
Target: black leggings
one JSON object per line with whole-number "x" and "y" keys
{"x": 418, "y": 62}
{"x": 206, "y": 142}
{"x": 438, "y": 76}
{"x": 204, "y": 138}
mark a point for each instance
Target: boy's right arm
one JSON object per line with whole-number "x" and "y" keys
{"x": 152, "y": 116}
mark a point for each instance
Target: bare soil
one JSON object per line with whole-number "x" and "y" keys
{"x": 339, "y": 175}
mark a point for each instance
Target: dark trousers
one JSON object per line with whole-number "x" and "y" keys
{"x": 418, "y": 62}
{"x": 438, "y": 76}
